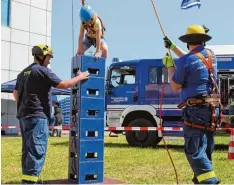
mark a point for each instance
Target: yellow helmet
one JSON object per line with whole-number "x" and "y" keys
{"x": 195, "y": 34}
{"x": 42, "y": 50}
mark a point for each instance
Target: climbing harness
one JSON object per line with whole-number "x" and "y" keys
{"x": 213, "y": 100}
{"x": 162, "y": 95}
{"x": 91, "y": 25}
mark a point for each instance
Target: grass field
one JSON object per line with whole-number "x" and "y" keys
{"x": 129, "y": 164}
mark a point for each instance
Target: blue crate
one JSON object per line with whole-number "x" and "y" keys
{"x": 87, "y": 62}
{"x": 91, "y": 151}
{"x": 87, "y": 169}
{"x": 92, "y": 108}
{"x": 94, "y": 87}
{"x": 90, "y": 63}
{"x": 91, "y": 129}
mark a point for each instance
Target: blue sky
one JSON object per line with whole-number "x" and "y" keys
{"x": 132, "y": 29}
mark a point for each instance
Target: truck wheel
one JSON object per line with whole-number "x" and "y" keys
{"x": 142, "y": 138}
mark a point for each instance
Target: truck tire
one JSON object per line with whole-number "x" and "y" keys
{"x": 142, "y": 138}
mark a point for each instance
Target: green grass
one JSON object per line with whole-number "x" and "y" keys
{"x": 129, "y": 164}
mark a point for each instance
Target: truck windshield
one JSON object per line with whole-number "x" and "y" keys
{"x": 122, "y": 76}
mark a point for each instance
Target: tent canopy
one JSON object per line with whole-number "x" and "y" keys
{"x": 9, "y": 87}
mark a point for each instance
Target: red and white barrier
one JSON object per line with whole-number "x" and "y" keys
{"x": 67, "y": 127}
{"x": 6, "y": 127}
{"x": 143, "y": 128}
{"x": 51, "y": 127}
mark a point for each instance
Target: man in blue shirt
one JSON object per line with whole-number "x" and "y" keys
{"x": 200, "y": 112}
{"x": 33, "y": 96}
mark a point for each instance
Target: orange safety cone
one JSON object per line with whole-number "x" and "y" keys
{"x": 231, "y": 145}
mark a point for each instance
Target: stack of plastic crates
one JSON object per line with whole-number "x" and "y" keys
{"x": 86, "y": 138}
{"x": 65, "y": 106}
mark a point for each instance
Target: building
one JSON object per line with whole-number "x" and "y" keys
{"x": 25, "y": 23}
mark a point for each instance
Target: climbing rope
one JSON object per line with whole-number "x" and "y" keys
{"x": 162, "y": 95}
{"x": 157, "y": 16}
{"x": 73, "y": 47}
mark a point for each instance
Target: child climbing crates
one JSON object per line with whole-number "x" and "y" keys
{"x": 91, "y": 32}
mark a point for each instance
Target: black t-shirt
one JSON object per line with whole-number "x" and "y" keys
{"x": 34, "y": 91}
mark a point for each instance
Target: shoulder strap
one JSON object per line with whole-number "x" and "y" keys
{"x": 209, "y": 67}
{"x": 208, "y": 63}
{"x": 103, "y": 27}
{"x": 84, "y": 25}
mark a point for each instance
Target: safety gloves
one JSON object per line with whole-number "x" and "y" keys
{"x": 167, "y": 61}
{"x": 168, "y": 43}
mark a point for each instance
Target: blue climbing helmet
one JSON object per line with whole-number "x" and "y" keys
{"x": 86, "y": 13}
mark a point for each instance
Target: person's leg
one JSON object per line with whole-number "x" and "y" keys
{"x": 210, "y": 145}
{"x": 61, "y": 126}
{"x": 24, "y": 139}
{"x": 231, "y": 120}
{"x": 195, "y": 151}
{"x": 51, "y": 124}
{"x": 86, "y": 45}
{"x": 36, "y": 144}
{"x": 104, "y": 48}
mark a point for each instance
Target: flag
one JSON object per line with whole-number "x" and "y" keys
{"x": 190, "y": 3}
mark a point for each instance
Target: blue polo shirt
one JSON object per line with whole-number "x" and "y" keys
{"x": 34, "y": 91}
{"x": 193, "y": 75}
